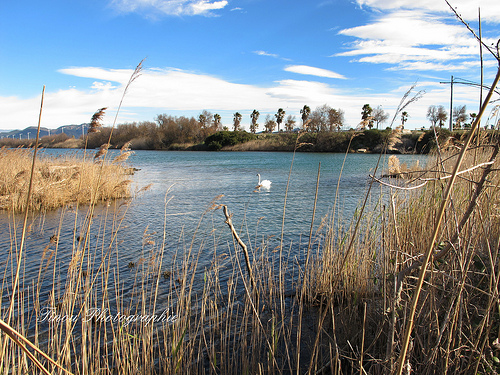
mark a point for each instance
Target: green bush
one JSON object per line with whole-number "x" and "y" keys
{"x": 224, "y": 138}
{"x": 333, "y": 141}
{"x": 370, "y": 139}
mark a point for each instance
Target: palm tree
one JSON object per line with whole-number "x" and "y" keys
{"x": 366, "y": 116}
{"x": 254, "y": 116}
{"x": 236, "y": 121}
{"x": 442, "y": 115}
{"x": 290, "y": 123}
{"x": 404, "y": 118}
{"x": 279, "y": 117}
{"x": 305, "y": 112}
{"x": 217, "y": 119}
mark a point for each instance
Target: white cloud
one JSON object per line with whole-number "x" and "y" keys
{"x": 412, "y": 40}
{"x": 411, "y": 28}
{"x": 310, "y": 70}
{"x": 170, "y": 7}
{"x": 177, "y": 91}
{"x": 103, "y": 86}
{"x": 490, "y": 9}
{"x": 264, "y": 53}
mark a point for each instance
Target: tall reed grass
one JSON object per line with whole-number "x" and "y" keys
{"x": 58, "y": 181}
{"x": 338, "y": 313}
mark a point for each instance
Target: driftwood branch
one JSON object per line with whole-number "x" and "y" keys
{"x": 229, "y": 222}
{"x": 395, "y": 186}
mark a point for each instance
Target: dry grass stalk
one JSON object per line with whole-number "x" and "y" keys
{"x": 428, "y": 253}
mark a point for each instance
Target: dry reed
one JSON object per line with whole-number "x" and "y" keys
{"x": 57, "y": 181}
{"x": 226, "y": 324}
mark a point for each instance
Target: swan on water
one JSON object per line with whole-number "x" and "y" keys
{"x": 266, "y": 184}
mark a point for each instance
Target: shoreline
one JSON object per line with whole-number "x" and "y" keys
{"x": 366, "y": 141}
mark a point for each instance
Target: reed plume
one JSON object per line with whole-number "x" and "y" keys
{"x": 103, "y": 150}
{"x": 95, "y": 122}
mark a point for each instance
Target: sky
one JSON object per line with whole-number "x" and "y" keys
{"x": 228, "y": 56}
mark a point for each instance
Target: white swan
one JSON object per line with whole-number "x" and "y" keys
{"x": 266, "y": 184}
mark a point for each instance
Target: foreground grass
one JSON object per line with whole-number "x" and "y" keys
{"x": 58, "y": 181}
{"x": 342, "y": 310}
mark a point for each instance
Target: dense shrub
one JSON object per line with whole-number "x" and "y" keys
{"x": 370, "y": 139}
{"x": 427, "y": 142}
{"x": 333, "y": 141}
{"x": 228, "y": 138}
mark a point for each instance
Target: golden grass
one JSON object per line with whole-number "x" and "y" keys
{"x": 57, "y": 181}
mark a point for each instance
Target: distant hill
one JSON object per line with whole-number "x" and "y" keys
{"x": 30, "y": 132}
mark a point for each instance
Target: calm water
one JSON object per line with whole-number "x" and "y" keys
{"x": 183, "y": 186}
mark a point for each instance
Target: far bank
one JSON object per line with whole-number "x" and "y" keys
{"x": 365, "y": 141}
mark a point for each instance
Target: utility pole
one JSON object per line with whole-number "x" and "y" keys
{"x": 451, "y": 105}
{"x": 456, "y": 80}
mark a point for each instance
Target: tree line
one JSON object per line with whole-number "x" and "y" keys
{"x": 167, "y": 131}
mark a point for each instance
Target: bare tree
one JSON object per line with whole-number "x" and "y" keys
{"x": 379, "y": 115}
{"x": 270, "y": 124}
{"x": 290, "y": 123}
{"x": 460, "y": 115}
{"x": 432, "y": 115}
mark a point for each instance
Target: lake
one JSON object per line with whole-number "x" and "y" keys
{"x": 178, "y": 209}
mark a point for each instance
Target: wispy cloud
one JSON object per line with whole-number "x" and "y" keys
{"x": 170, "y": 7}
{"x": 164, "y": 90}
{"x": 412, "y": 40}
{"x": 490, "y": 9}
{"x": 174, "y": 90}
{"x": 264, "y": 53}
{"x": 310, "y": 70}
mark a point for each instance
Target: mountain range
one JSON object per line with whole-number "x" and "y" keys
{"x": 30, "y": 132}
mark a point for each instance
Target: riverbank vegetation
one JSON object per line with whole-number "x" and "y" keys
{"x": 57, "y": 181}
{"x": 149, "y": 136}
{"x": 340, "y": 305}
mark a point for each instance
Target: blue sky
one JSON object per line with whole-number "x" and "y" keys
{"x": 235, "y": 55}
